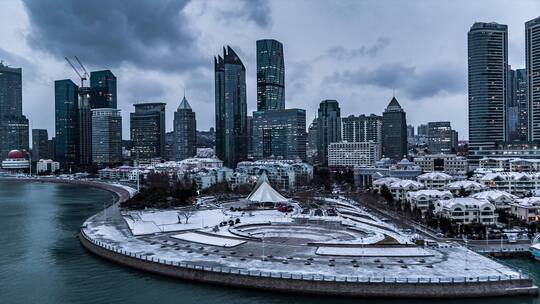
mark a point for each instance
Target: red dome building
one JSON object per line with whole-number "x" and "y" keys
{"x": 16, "y": 161}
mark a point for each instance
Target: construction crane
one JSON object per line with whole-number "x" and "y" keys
{"x": 84, "y": 75}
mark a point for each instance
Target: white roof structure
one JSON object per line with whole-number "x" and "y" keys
{"x": 465, "y": 184}
{"x": 527, "y": 202}
{"x": 386, "y": 181}
{"x": 495, "y": 196}
{"x": 435, "y": 176}
{"x": 407, "y": 184}
{"x": 431, "y": 194}
{"x": 264, "y": 193}
{"x": 466, "y": 202}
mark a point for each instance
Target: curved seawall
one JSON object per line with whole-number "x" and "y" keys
{"x": 308, "y": 285}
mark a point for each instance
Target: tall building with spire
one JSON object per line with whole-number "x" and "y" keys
{"x": 185, "y": 131}
{"x": 394, "y": 131}
{"x": 270, "y": 75}
{"x": 488, "y": 73}
{"x": 230, "y": 108}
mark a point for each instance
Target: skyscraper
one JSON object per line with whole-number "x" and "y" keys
{"x": 66, "y": 123}
{"x": 279, "y": 134}
{"x": 85, "y": 125}
{"x": 106, "y": 136}
{"x": 231, "y": 108}
{"x": 517, "y": 118}
{"x": 185, "y": 131}
{"x": 40, "y": 144}
{"x": 103, "y": 84}
{"x": 532, "y": 64}
{"x": 440, "y": 137}
{"x": 328, "y": 127}
{"x": 488, "y": 72}
{"x": 13, "y": 124}
{"x": 394, "y": 131}
{"x": 362, "y": 128}
{"x": 270, "y": 75}
{"x": 147, "y": 128}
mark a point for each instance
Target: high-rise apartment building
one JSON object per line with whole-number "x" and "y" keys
{"x": 440, "y": 137}
{"x": 147, "y": 130}
{"x": 185, "y": 131}
{"x": 270, "y": 75}
{"x": 532, "y": 64}
{"x": 362, "y": 128}
{"x": 231, "y": 108}
{"x": 517, "y": 109}
{"x": 488, "y": 73}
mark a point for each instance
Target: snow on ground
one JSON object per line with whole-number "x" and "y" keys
{"x": 374, "y": 252}
{"x": 208, "y": 240}
{"x": 130, "y": 190}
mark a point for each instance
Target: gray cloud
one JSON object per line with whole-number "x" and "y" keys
{"x": 408, "y": 80}
{"x": 147, "y": 34}
{"x": 341, "y": 53}
{"x": 257, "y": 11}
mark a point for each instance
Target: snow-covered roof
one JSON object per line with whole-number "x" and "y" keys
{"x": 465, "y": 184}
{"x": 467, "y": 202}
{"x": 386, "y": 181}
{"x": 435, "y": 176}
{"x": 495, "y": 195}
{"x": 264, "y": 193}
{"x": 509, "y": 176}
{"x": 527, "y": 202}
{"x": 406, "y": 184}
{"x": 430, "y": 193}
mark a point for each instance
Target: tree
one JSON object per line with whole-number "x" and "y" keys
{"x": 387, "y": 194}
{"x": 185, "y": 213}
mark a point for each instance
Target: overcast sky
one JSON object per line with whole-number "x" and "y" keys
{"x": 358, "y": 52}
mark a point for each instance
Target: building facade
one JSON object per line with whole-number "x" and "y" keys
{"x": 14, "y": 132}
{"x": 270, "y": 75}
{"x": 328, "y": 127}
{"x": 85, "y": 126}
{"x": 231, "y": 108}
{"x": 394, "y": 131}
{"x": 440, "y": 137}
{"x": 517, "y": 110}
{"x": 103, "y": 84}
{"x": 351, "y": 154}
{"x": 362, "y": 128}
{"x": 147, "y": 128}
{"x": 40, "y": 144}
{"x": 488, "y": 72}
{"x": 106, "y": 136}
{"x": 185, "y": 131}
{"x": 279, "y": 134}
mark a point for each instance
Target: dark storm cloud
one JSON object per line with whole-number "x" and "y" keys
{"x": 13, "y": 60}
{"x": 145, "y": 33}
{"x": 405, "y": 79}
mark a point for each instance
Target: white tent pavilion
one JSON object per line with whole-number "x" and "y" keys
{"x": 264, "y": 193}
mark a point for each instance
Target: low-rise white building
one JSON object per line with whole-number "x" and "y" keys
{"x": 435, "y": 180}
{"x": 519, "y": 184}
{"x": 501, "y": 199}
{"x": 47, "y": 166}
{"x": 448, "y": 163}
{"x": 421, "y": 199}
{"x": 527, "y": 209}
{"x": 400, "y": 189}
{"x": 350, "y": 154}
{"x": 467, "y": 210}
{"x": 384, "y": 181}
{"x": 283, "y": 174}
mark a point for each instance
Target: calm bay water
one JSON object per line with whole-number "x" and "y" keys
{"x": 41, "y": 260}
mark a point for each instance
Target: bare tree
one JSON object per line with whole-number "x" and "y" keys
{"x": 185, "y": 213}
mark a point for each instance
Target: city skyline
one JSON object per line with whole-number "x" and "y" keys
{"x": 314, "y": 57}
